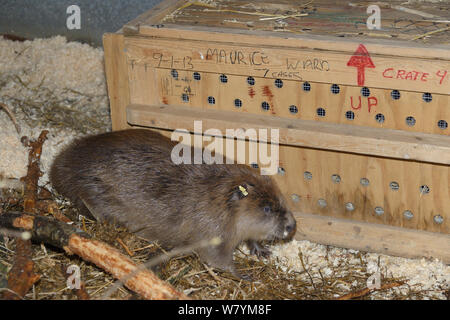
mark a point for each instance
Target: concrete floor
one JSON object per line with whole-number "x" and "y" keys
{"x": 44, "y": 18}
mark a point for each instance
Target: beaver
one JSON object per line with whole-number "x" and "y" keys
{"x": 128, "y": 177}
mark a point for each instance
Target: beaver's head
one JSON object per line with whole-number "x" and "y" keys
{"x": 260, "y": 210}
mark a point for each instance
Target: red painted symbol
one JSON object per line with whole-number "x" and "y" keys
{"x": 351, "y": 102}
{"x": 360, "y": 60}
{"x": 251, "y": 92}
{"x": 371, "y": 102}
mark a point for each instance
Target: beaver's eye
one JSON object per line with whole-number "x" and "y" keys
{"x": 267, "y": 209}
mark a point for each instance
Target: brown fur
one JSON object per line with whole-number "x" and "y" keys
{"x": 128, "y": 176}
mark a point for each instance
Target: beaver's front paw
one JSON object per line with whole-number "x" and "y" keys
{"x": 258, "y": 249}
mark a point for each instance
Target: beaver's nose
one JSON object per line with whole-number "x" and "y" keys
{"x": 290, "y": 226}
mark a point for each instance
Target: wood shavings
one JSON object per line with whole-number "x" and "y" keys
{"x": 430, "y": 276}
{"x": 48, "y": 84}
{"x": 55, "y": 82}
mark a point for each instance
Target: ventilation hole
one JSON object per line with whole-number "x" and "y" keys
{"x": 408, "y": 215}
{"x": 278, "y": 83}
{"x": 211, "y": 100}
{"x": 223, "y": 78}
{"x": 321, "y": 112}
{"x": 365, "y": 91}
{"x": 335, "y": 89}
{"x": 395, "y": 94}
{"x": 364, "y": 182}
{"x": 196, "y": 76}
{"x": 251, "y": 81}
{"x": 295, "y": 197}
{"x": 424, "y": 189}
{"x": 380, "y": 118}
{"x": 394, "y": 186}
{"x": 349, "y": 206}
{"x": 350, "y": 115}
{"x": 281, "y": 171}
{"x": 379, "y": 211}
{"x": 336, "y": 178}
{"x": 293, "y": 109}
{"x": 254, "y": 165}
{"x": 322, "y": 203}
{"x": 427, "y": 97}
{"x": 237, "y": 103}
{"x": 410, "y": 121}
{"x": 306, "y": 86}
{"x": 185, "y": 97}
{"x": 438, "y": 219}
{"x": 174, "y": 73}
{"x": 265, "y": 106}
{"x": 442, "y": 124}
{"x": 307, "y": 175}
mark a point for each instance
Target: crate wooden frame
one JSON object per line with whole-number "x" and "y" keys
{"x": 143, "y": 93}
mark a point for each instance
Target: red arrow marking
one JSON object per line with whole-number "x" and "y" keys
{"x": 360, "y": 60}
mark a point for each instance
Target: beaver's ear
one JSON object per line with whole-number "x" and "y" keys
{"x": 241, "y": 191}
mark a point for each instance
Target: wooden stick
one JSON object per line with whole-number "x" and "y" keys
{"x": 366, "y": 291}
{"x": 73, "y": 240}
{"x": 50, "y": 206}
{"x": 211, "y": 272}
{"x": 144, "y": 282}
{"x": 430, "y": 33}
{"x": 34, "y": 172}
{"x": 125, "y": 247}
{"x": 21, "y": 277}
{"x": 82, "y": 293}
{"x": 12, "y": 117}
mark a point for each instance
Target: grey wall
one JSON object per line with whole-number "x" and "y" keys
{"x": 44, "y": 18}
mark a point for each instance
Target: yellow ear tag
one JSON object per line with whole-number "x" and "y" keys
{"x": 243, "y": 190}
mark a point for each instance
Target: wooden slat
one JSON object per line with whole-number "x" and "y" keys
{"x": 361, "y": 140}
{"x": 373, "y": 237}
{"x": 389, "y": 72}
{"x": 117, "y": 79}
{"x": 283, "y": 39}
{"x": 172, "y": 90}
{"x": 379, "y": 172}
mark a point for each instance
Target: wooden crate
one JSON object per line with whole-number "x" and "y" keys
{"x": 380, "y": 144}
